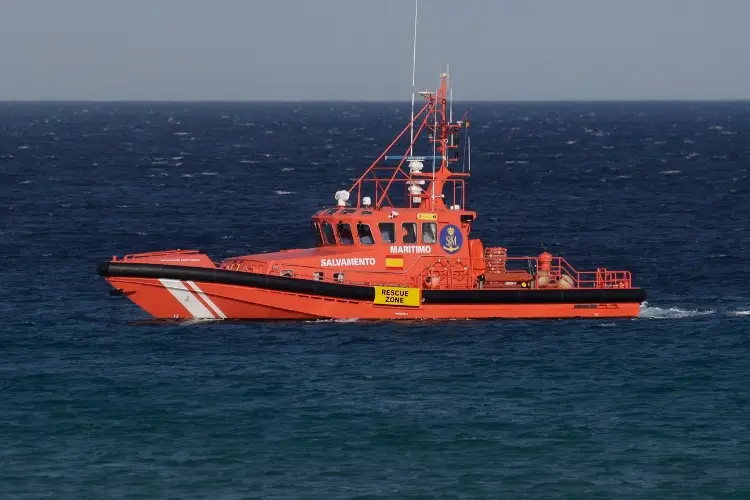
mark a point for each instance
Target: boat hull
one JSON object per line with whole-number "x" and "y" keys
{"x": 183, "y": 292}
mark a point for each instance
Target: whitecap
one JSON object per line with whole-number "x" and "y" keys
{"x": 283, "y": 192}
{"x": 654, "y": 312}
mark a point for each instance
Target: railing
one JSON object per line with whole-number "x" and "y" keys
{"x": 453, "y": 273}
{"x": 560, "y": 268}
{"x": 162, "y": 253}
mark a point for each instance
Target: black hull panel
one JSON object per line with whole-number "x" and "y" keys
{"x": 367, "y": 293}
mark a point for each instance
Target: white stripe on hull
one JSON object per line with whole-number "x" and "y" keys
{"x": 207, "y": 300}
{"x": 185, "y": 297}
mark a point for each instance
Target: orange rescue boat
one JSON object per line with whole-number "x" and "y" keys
{"x": 401, "y": 249}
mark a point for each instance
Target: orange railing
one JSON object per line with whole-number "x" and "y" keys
{"x": 455, "y": 273}
{"x": 601, "y": 278}
{"x": 161, "y": 253}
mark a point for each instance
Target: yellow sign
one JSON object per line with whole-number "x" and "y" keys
{"x": 397, "y": 296}
{"x": 422, "y": 216}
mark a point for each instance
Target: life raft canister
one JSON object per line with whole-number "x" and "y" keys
{"x": 545, "y": 261}
{"x": 544, "y": 266}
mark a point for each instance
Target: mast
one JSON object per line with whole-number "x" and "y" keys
{"x": 413, "y": 76}
{"x": 435, "y": 118}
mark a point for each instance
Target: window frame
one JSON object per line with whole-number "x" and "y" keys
{"x": 317, "y": 231}
{"x": 416, "y": 236}
{"x": 325, "y": 235}
{"x": 435, "y": 232}
{"x": 369, "y": 230}
{"x": 380, "y": 231}
{"x": 339, "y": 225}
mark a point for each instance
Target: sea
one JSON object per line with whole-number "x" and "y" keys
{"x": 100, "y": 402}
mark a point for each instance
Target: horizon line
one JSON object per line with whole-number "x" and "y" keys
{"x": 374, "y": 101}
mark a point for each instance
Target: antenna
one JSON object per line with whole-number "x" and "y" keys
{"x": 450, "y": 97}
{"x": 434, "y": 155}
{"x": 413, "y": 77}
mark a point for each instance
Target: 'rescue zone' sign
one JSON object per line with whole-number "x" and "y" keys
{"x": 350, "y": 262}
{"x": 397, "y": 296}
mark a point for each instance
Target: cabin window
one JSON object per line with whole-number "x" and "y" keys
{"x": 365, "y": 212}
{"x": 319, "y": 276}
{"x": 316, "y": 230}
{"x": 348, "y": 211}
{"x": 410, "y": 232}
{"x": 365, "y": 235}
{"x": 429, "y": 232}
{"x": 331, "y": 211}
{"x": 388, "y": 232}
{"x": 345, "y": 234}
{"x": 328, "y": 233}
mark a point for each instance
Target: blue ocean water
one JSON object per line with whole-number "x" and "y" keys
{"x": 98, "y": 404}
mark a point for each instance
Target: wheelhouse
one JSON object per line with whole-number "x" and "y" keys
{"x": 365, "y": 227}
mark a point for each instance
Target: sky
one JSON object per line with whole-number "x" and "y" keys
{"x": 362, "y": 49}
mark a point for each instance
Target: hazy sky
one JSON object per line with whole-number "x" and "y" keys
{"x": 361, "y": 49}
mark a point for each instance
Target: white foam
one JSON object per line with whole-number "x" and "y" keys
{"x": 338, "y": 320}
{"x": 741, "y": 312}
{"x": 282, "y": 192}
{"x": 197, "y": 321}
{"x": 654, "y": 312}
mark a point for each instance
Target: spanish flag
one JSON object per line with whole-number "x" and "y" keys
{"x": 394, "y": 262}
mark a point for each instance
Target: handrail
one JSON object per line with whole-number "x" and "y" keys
{"x": 456, "y": 271}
